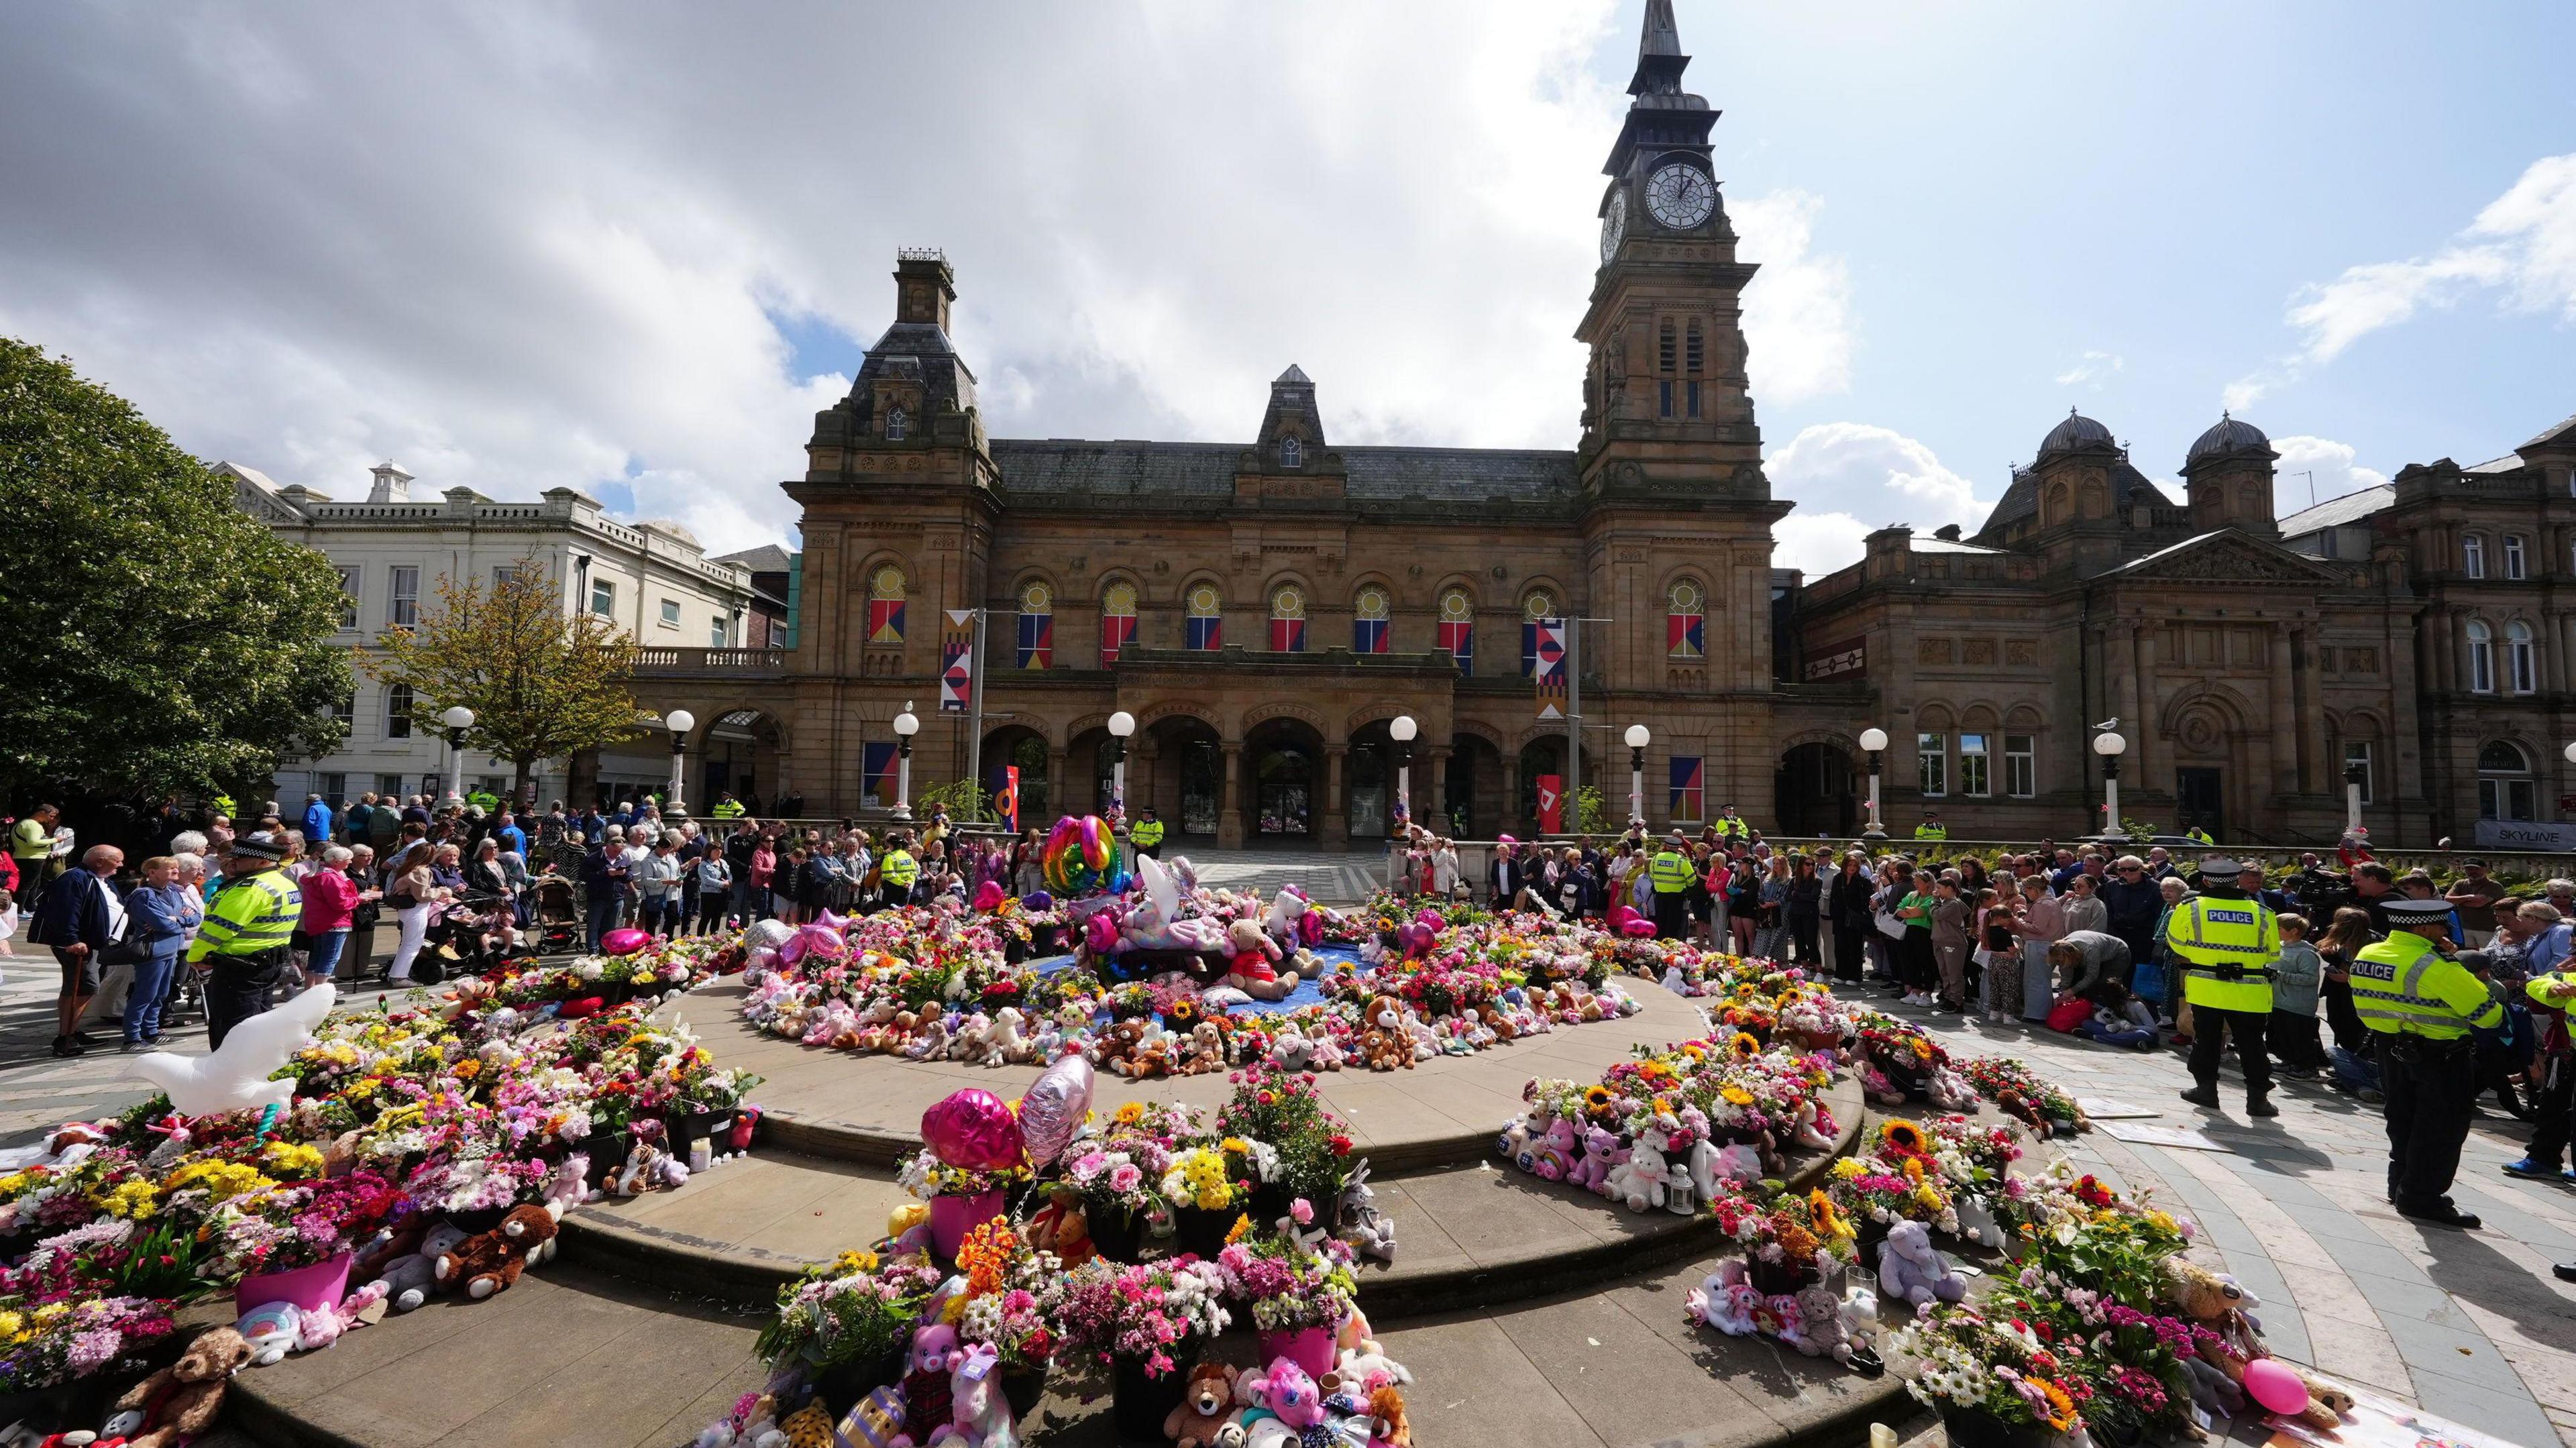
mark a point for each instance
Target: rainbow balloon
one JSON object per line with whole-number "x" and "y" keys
{"x": 1081, "y": 856}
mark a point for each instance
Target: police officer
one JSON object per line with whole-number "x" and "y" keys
{"x": 1671, "y": 872}
{"x": 243, "y": 945}
{"x": 896, "y": 872}
{"x": 728, "y": 808}
{"x": 1731, "y": 827}
{"x": 2227, "y": 942}
{"x": 2199, "y": 836}
{"x": 1931, "y": 828}
{"x": 1147, "y": 834}
{"x": 2419, "y": 1006}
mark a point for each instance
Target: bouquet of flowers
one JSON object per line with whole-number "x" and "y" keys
{"x": 2021, "y": 1093}
{"x": 1962, "y": 1361}
{"x": 1003, "y": 1279}
{"x": 851, "y": 1309}
{"x": 1281, "y": 1108}
{"x": 1150, "y": 1313}
{"x": 1201, "y": 1177}
{"x": 72, "y": 1335}
{"x": 1287, "y": 1287}
{"x": 925, "y": 1176}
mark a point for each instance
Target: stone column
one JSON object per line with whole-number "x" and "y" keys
{"x": 2466, "y": 653}
{"x": 2285, "y": 716}
{"x": 1437, "y": 807}
{"x": 1059, "y": 788}
{"x": 1229, "y": 814}
{"x": 2318, "y": 774}
{"x": 1333, "y": 829}
{"x": 1508, "y": 818}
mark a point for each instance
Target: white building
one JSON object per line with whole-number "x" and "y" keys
{"x": 394, "y": 549}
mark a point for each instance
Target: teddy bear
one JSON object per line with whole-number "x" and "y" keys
{"x": 1497, "y": 1022}
{"x": 409, "y": 1278}
{"x": 978, "y": 1415}
{"x": 1819, "y": 1330}
{"x": 1290, "y": 1050}
{"x": 1911, "y": 1271}
{"x": 1011, "y": 1041}
{"x": 1152, "y": 1057}
{"x": 1724, "y": 1299}
{"x": 1640, "y": 1180}
{"x": 1206, "y": 1049}
{"x": 1600, "y": 1154}
{"x": 1205, "y": 1409}
{"x": 648, "y": 1166}
{"x": 317, "y": 1330}
{"x": 179, "y": 1403}
{"x": 1552, "y": 1155}
{"x": 1285, "y": 1403}
{"x": 1113, "y": 1051}
{"x": 929, "y": 1394}
{"x": 1252, "y": 967}
{"x": 929, "y": 1041}
{"x": 488, "y": 1262}
{"x": 1385, "y": 1044}
{"x": 1370, "y": 1232}
{"x": 1061, "y": 1227}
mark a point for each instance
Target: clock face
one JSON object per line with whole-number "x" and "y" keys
{"x": 1680, "y": 196}
{"x": 1614, "y": 223}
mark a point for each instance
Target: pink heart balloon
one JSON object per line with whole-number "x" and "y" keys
{"x": 973, "y": 1130}
{"x": 1054, "y": 1108}
{"x": 626, "y": 941}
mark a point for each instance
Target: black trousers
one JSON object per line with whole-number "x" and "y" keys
{"x": 1849, "y": 940}
{"x": 1916, "y": 969}
{"x": 2294, "y": 1040}
{"x": 237, "y": 989}
{"x": 1802, "y": 936}
{"x": 2556, "y": 1111}
{"x": 895, "y": 897}
{"x": 2432, "y": 1090}
{"x": 1672, "y": 915}
{"x": 2209, "y": 1027}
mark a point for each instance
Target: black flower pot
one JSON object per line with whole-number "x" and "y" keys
{"x": 1778, "y": 1279}
{"x": 1977, "y": 1428}
{"x": 687, "y": 1128}
{"x": 80, "y": 1403}
{"x": 1138, "y": 1404}
{"x": 1117, "y": 1234}
{"x": 1014, "y": 950}
{"x": 1873, "y": 1235}
{"x": 607, "y": 1153}
{"x": 1021, "y": 1388}
{"x": 844, "y": 1385}
{"x": 1203, "y": 1232}
{"x": 1046, "y": 939}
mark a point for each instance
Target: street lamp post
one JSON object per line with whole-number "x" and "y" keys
{"x": 1873, "y": 742}
{"x": 458, "y": 719}
{"x": 1637, "y": 737}
{"x": 1121, "y": 725}
{"x": 906, "y": 725}
{"x": 679, "y": 722}
{"x": 1402, "y": 729}
{"x": 2110, "y": 745}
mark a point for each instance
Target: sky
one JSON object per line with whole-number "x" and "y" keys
{"x": 633, "y": 248}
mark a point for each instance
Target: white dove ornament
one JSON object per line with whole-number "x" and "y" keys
{"x": 234, "y": 1077}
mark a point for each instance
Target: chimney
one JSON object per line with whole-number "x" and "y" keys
{"x": 392, "y": 484}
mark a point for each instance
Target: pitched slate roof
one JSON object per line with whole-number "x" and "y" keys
{"x": 1206, "y": 469}
{"x": 2335, "y": 512}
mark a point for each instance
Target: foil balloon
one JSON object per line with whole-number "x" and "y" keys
{"x": 1080, "y": 856}
{"x": 822, "y": 939}
{"x": 2275, "y": 1387}
{"x": 1038, "y": 900}
{"x": 1054, "y": 1108}
{"x": 1100, "y": 932}
{"x": 988, "y": 896}
{"x": 626, "y": 941}
{"x": 972, "y": 1130}
{"x": 1415, "y": 937}
{"x": 770, "y": 933}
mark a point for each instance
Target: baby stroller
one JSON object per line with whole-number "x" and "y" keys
{"x": 554, "y": 916}
{"x": 467, "y": 936}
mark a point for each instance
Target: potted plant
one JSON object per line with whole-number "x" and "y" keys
{"x": 961, "y": 1198}
{"x": 1992, "y": 1380}
{"x": 846, "y": 1323}
{"x": 1298, "y": 1297}
{"x": 1204, "y": 1197}
{"x": 1145, "y": 1321}
{"x": 1308, "y": 1148}
{"x": 60, "y": 1349}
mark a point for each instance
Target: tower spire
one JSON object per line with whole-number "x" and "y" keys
{"x": 1659, "y": 53}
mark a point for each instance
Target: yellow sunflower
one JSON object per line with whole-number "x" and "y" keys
{"x": 1735, "y": 1095}
{"x": 1744, "y": 1046}
{"x": 1130, "y": 1114}
{"x": 1902, "y": 1134}
{"x": 1596, "y": 1098}
{"x": 2060, "y": 1416}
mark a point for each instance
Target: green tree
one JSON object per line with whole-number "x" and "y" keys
{"x": 159, "y": 638}
{"x": 544, "y": 683}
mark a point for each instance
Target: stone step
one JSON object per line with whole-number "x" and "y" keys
{"x": 1466, "y": 1236}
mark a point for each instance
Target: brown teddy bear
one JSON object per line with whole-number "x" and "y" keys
{"x": 1384, "y": 1044}
{"x": 1206, "y": 1406}
{"x": 1206, "y": 1050}
{"x": 1119, "y": 1047}
{"x": 489, "y": 1262}
{"x": 179, "y": 1403}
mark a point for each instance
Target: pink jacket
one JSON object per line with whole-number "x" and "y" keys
{"x": 329, "y": 898}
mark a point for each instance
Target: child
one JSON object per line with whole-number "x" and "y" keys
{"x": 2119, "y": 1018}
{"x": 1999, "y": 954}
{"x": 2296, "y": 976}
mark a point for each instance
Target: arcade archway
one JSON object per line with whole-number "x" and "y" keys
{"x": 1814, "y": 792}
{"x": 1283, "y": 781}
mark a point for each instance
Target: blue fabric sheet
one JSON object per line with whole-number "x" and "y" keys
{"x": 1307, "y": 993}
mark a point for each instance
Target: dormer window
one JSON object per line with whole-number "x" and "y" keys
{"x": 898, "y": 424}
{"x": 1292, "y": 453}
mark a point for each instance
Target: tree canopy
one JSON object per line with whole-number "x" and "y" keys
{"x": 159, "y": 638}
{"x": 544, "y": 683}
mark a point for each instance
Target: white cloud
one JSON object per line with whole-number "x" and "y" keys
{"x": 1797, "y": 311}
{"x": 2333, "y": 464}
{"x": 1850, "y": 479}
{"x": 2523, "y": 243}
{"x": 2091, "y": 368}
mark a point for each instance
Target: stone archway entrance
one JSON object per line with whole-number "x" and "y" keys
{"x": 738, "y": 754}
{"x": 1284, "y": 779}
{"x": 1814, "y": 794}
{"x": 1018, "y": 746}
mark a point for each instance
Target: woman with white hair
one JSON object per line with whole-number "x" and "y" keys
{"x": 331, "y": 901}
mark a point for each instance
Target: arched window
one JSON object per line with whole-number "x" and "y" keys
{"x": 1368, "y": 621}
{"x": 398, "y": 711}
{"x": 1291, "y": 452}
{"x": 2481, "y": 657}
{"x": 2473, "y": 555}
{"x": 2515, "y": 564}
{"x": 1117, "y": 620}
{"x": 2521, "y": 666}
{"x": 1539, "y": 605}
{"x": 1458, "y": 628}
{"x": 1206, "y": 618}
{"x": 898, "y": 424}
{"x": 1037, "y": 626}
{"x": 2506, "y": 790}
{"x": 1686, "y": 621}
{"x": 1288, "y": 621}
{"x": 885, "y": 606}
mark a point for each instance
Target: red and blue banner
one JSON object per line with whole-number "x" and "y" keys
{"x": 1688, "y": 793}
{"x": 1006, "y": 805}
{"x": 876, "y": 773}
{"x": 1547, "y": 664}
{"x": 1551, "y": 804}
{"x": 1037, "y": 640}
{"x": 1458, "y": 637}
{"x": 1287, "y": 635}
{"x": 1207, "y": 632}
{"x": 885, "y": 621}
{"x": 1117, "y": 631}
{"x": 1686, "y": 635}
{"x": 957, "y": 662}
{"x": 1368, "y": 635}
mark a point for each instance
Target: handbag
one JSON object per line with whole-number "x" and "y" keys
{"x": 2067, "y": 1015}
{"x": 2148, "y": 981}
{"x": 1889, "y": 925}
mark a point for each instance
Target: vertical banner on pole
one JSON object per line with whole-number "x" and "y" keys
{"x": 1547, "y": 666}
{"x": 956, "y": 661}
{"x": 1551, "y": 804}
{"x": 1006, "y": 806}
{"x": 876, "y": 774}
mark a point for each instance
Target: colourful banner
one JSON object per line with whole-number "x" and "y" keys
{"x": 1368, "y": 635}
{"x": 1685, "y": 635}
{"x": 1547, "y": 665}
{"x": 1458, "y": 637}
{"x": 957, "y": 662}
{"x": 1688, "y": 793}
{"x": 1287, "y": 635}
{"x": 1037, "y": 640}
{"x": 876, "y": 773}
{"x": 1551, "y": 804}
{"x": 1006, "y": 805}
{"x": 1117, "y": 631}
{"x": 885, "y": 621}
{"x": 1207, "y": 632}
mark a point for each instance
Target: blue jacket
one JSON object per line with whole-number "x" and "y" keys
{"x": 317, "y": 826}
{"x": 163, "y": 916}
{"x": 74, "y": 911}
